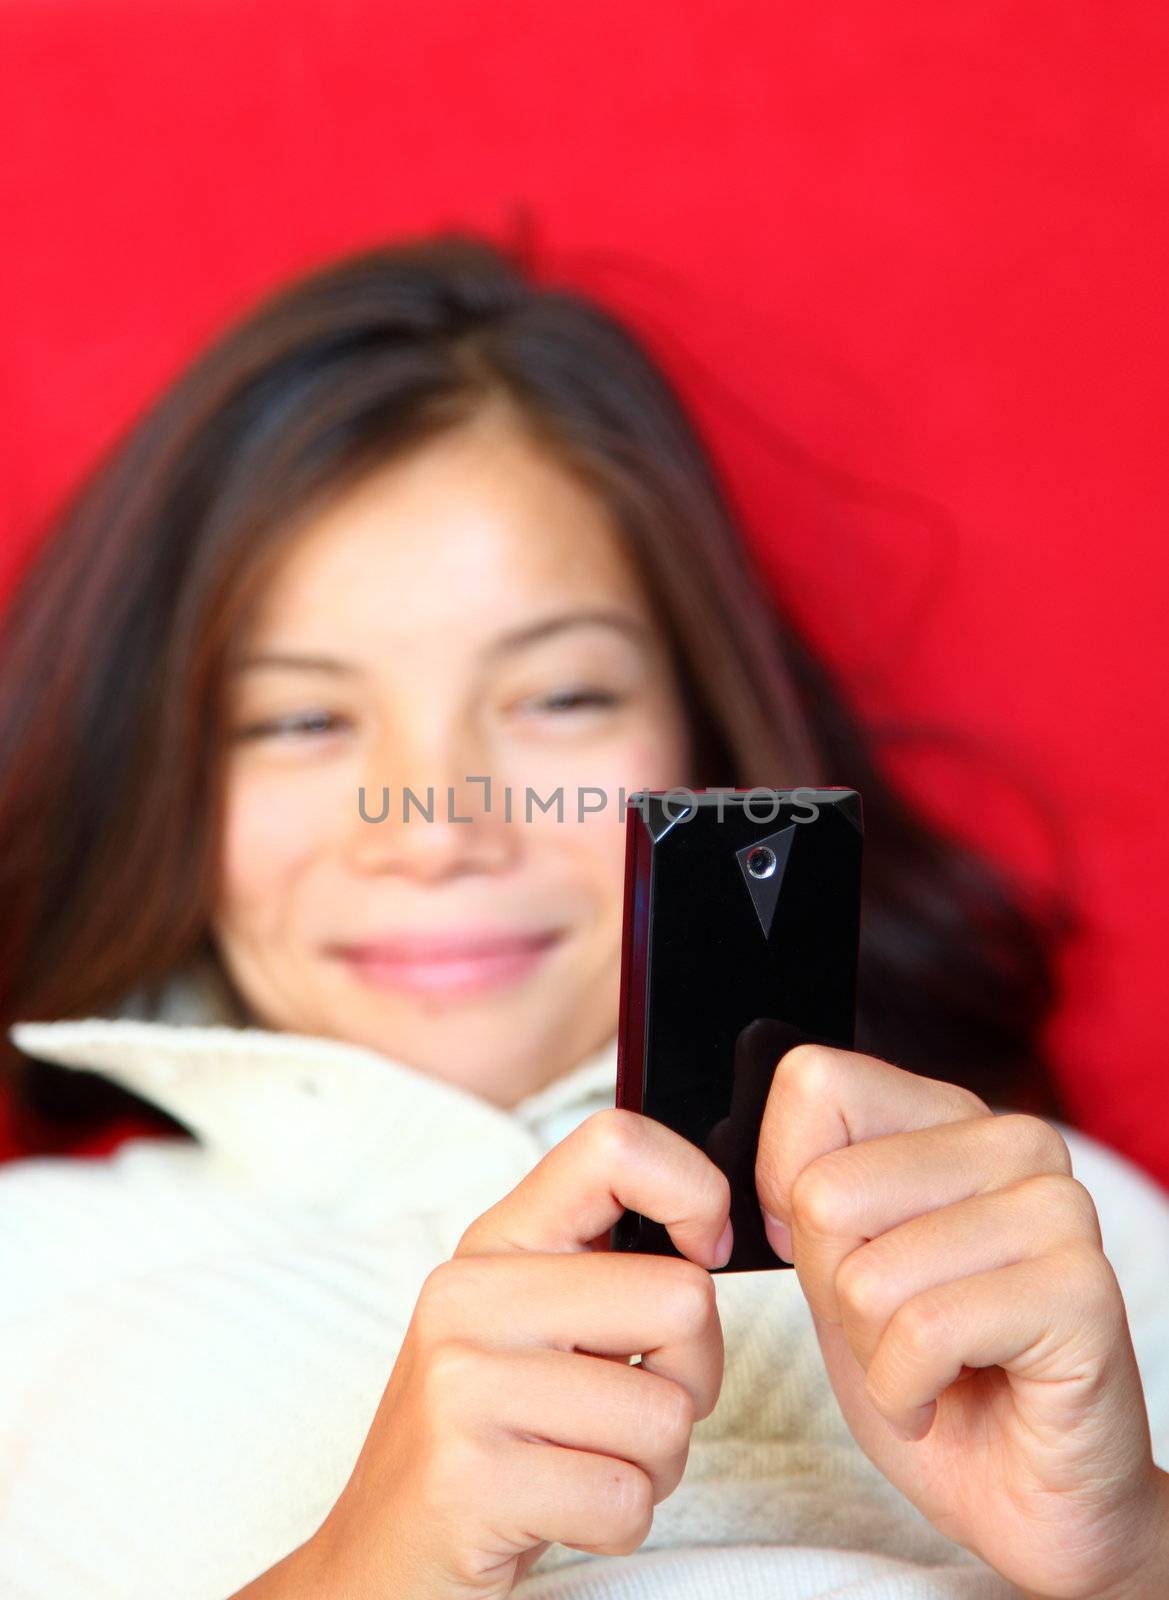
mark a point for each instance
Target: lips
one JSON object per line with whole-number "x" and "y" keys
{"x": 460, "y": 961}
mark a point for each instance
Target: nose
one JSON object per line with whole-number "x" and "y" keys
{"x": 434, "y": 815}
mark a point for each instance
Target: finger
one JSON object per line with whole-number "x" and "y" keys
{"x": 1034, "y": 1217}
{"x": 577, "y": 1401}
{"x": 822, "y": 1099}
{"x": 1050, "y": 1322}
{"x": 858, "y": 1192}
{"x": 570, "y": 1497}
{"x": 614, "y": 1160}
{"x": 658, "y": 1307}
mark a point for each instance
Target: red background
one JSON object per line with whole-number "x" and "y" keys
{"x": 908, "y": 263}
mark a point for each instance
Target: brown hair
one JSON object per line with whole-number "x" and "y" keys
{"x": 113, "y": 652}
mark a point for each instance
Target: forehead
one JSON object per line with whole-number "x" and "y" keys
{"x": 464, "y": 535}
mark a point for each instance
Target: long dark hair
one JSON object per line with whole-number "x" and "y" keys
{"x": 113, "y": 652}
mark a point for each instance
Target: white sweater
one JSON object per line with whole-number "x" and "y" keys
{"x": 194, "y": 1337}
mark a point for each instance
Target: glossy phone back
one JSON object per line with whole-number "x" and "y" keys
{"x": 742, "y": 920}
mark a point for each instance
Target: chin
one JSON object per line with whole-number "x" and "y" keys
{"x": 453, "y": 1051}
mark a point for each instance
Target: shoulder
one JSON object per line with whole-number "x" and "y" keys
{"x": 1133, "y": 1210}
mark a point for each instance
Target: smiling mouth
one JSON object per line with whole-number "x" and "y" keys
{"x": 457, "y": 968}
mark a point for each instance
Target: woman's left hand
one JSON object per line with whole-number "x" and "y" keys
{"x": 954, "y": 1270}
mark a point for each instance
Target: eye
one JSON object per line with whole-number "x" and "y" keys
{"x": 311, "y": 724}
{"x": 576, "y": 700}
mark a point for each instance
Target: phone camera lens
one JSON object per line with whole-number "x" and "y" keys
{"x": 761, "y": 862}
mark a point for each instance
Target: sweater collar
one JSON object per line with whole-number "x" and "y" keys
{"x": 312, "y": 1119}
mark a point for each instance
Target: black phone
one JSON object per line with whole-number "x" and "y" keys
{"x": 740, "y": 940}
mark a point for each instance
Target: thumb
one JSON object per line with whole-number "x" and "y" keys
{"x": 615, "y": 1160}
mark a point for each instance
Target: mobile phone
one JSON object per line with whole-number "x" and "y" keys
{"x": 740, "y": 940}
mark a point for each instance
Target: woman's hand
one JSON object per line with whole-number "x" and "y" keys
{"x": 971, "y": 1325}
{"x": 512, "y": 1416}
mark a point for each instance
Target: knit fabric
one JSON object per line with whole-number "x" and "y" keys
{"x": 194, "y": 1336}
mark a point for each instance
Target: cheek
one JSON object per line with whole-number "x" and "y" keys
{"x": 270, "y": 834}
{"x": 643, "y": 763}
{"x": 658, "y": 761}
{"x": 595, "y": 841}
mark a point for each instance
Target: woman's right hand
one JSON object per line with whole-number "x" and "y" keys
{"x": 512, "y": 1416}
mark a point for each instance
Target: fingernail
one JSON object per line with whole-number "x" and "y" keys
{"x": 726, "y": 1243}
{"x": 779, "y": 1237}
{"x": 921, "y": 1425}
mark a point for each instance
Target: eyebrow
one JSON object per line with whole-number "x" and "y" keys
{"x": 516, "y": 639}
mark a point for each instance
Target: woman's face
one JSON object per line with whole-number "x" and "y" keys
{"x": 467, "y": 612}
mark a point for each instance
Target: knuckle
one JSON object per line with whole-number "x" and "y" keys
{"x": 820, "y": 1201}
{"x": 691, "y": 1302}
{"x": 1065, "y": 1199}
{"x": 1080, "y": 1198}
{"x": 613, "y": 1135}
{"x": 805, "y": 1071}
{"x": 860, "y": 1288}
{"x": 1086, "y": 1276}
{"x": 918, "y": 1326}
{"x": 674, "y": 1418}
{"x": 627, "y": 1506}
{"x": 469, "y": 1239}
{"x": 453, "y": 1372}
{"x": 975, "y": 1105}
{"x": 720, "y": 1188}
{"x": 1043, "y": 1146}
{"x": 436, "y": 1299}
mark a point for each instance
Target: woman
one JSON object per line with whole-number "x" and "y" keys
{"x": 420, "y": 525}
